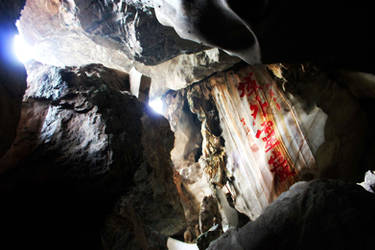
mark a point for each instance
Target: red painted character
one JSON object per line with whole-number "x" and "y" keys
{"x": 272, "y": 95}
{"x": 269, "y": 138}
{"x": 263, "y": 105}
{"x": 267, "y": 129}
{"x": 245, "y": 126}
{"x": 248, "y": 86}
{"x": 243, "y": 121}
{"x": 254, "y": 108}
{"x": 271, "y": 141}
{"x": 280, "y": 166}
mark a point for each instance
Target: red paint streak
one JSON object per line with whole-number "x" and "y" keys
{"x": 245, "y": 126}
{"x": 271, "y": 142}
{"x": 267, "y": 129}
{"x": 280, "y": 166}
{"x": 277, "y": 104}
{"x": 254, "y": 108}
{"x": 267, "y": 86}
{"x": 269, "y": 138}
{"x": 263, "y": 105}
{"x": 248, "y": 86}
{"x": 271, "y": 93}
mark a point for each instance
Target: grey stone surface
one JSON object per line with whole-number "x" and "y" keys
{"x": 322, "y": 214}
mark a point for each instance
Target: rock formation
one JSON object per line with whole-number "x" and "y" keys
{"x": 12, "y": 75}
{"x": 86, "y": 164}
{"x": 311, "y": 215}
{"x": 120, "y": 35}
{"x": 79, "y": 143}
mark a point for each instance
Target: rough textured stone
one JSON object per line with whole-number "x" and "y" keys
{"x": 12, "y": 74}
{"x": 77, "y": 142}
{"x": 185, "y": 70}
{"x": 79, "y": 147}
{"x": 131, "y": 28}
{"x": 121, "y": 25}
{"x": 229, "y": 158}
{"x": 58, "y": 38}
{"x": 191, "y": 180}
{"x": 346, "y": 126}
{"x": 311, "y": 215}
{"x": 151, "y": 211}
{"x": 369, "y": 182}
{"x": 311, "y": 121}
{"x": 209, "y": 215}
{"x": 271, "y": 31}
{"x": 81, "y": 132}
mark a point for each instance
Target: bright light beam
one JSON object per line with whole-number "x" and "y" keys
{"x": 21, "y": 49}
{"x": 157, "y": 105}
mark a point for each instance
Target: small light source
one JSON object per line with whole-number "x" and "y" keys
{"x": 157, "y": 105}
{"x": 21, "y": 49}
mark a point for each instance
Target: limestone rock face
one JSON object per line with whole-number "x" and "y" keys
{"x": 80, "y": 131}
{"x": 82, "y": 143}
{"x": 151, "y": 210}
{"x": 132, "y": 28}
{"x": 119, "y": 35}
{"x": 346, "y": 130}
{"x": 235, "y": 158}
{"x": 12, "y": 75}
{"x": 307, "y": 217}
{"x": 264, "y": 128}
{"x": 125, "y": 26}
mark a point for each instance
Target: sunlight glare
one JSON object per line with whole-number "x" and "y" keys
{"x": 157, "y": 105}
{"x": 22, "y": 50}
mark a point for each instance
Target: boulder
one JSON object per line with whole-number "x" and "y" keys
{"x": 320, "y": 214}
{"x": 83, "y": 145}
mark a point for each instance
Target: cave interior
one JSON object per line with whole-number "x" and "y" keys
{"x": 160, "y": 124}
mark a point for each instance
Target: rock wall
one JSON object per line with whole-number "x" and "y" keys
{"x": 151, "y": 210}
{"x": 119, "y": 35}
{"x": 307, "y": 217}
{"x": 264, "y": 128}
{"x": 346, "y": 131}
{"x": 121, "y": 25}
{"x": 83, "y": 145}
{"x": 12, "y": 75}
